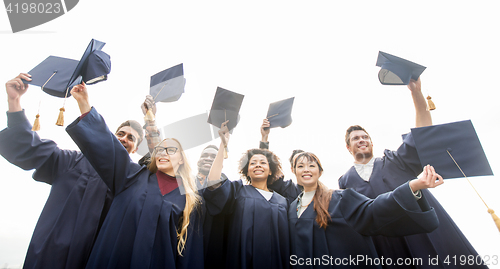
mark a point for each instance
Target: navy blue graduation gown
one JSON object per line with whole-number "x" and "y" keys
{"x": 140, "y": 229}
{"x": 215, "y": 234}
{"x": 77, "y": 203}
{"x": 346, "y": 242}
{"x": 390, "y": 171}
{"x": 258, "y": 229}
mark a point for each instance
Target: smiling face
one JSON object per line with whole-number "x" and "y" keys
{"x": 168, "y": 163}
{"x": 258, "y": 168}
{"x": 206, "y": 159}
{"x": 129, "y": 138}
{"x": 307, "y": 171}
{"x": 360, "y": 146}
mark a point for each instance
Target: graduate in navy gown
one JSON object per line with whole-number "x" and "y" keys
{"x": 332, "y": 228}
{"x": 258, "y": 230}
{"x": 155, "y": 220}
{"x": 214, "y": 227}
{"x": 373, "y": 176}
{"x": 78, "y": 199}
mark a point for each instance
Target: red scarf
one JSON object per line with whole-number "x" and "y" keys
{"x": 166, "y": 182}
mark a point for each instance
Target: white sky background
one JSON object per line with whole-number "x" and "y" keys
{"x": 321, "y": 52}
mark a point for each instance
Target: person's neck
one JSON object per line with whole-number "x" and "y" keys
{"x": 201, "y": 177}
{"x": 309, "y": 189}
{"x": 260, "y": 185}
{"x": 169, "y": 173}
{"x": 363, "y": 160}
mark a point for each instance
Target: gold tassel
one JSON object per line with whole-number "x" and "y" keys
{"x": 495, "y": 218}
{"x": 60, "y": 119}
{"x": 149, "y": 115}
{"x": 493, "y": 215}
{"x": 225, "y": 153}
{"x": 36, "y": 124}
{"x": 430, "y": 103}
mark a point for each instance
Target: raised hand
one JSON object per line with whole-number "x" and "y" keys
{"x": 429, "y": 179}
{"x": 415, "y": 85}
{"x": 265, "y": 130}
{"x": 224, "y": 133}
{"x": 149, "y": 103}
{"x": 79, "y": 92}
{"x": 15, "y": 89}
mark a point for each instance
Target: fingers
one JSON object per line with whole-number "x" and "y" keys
{"x": 24, "y": 76}
{"x": 76, "y": 89}
{"x": 80, "y": 88}
{"x": 433, "y": 179}
{"x": 224, "y": 125}
{"x": 439, "y": 181}
{"x": 18, "y": 82}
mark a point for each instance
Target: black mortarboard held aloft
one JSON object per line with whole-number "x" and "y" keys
{"x": 166, "y": 86}
{"x": 57, "y": 76}
{"x": 398, "y": 71}
{"x": 279, "y": 113}
{"x": 455, "y": 151}
{"x": 225, "y": 107}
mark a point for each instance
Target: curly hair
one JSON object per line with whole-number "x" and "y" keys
{"x": 272, "y": 159}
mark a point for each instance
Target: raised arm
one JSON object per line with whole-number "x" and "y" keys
{"x": 152, "y": 133}
{"x": 216, "y": 170}
{"x": 397, "y": 213}
{"x": 104, "y": 151}
{"x": 264, "y": 131}
{"x": 23, "y": 147}
{"x": 15, "y": 89}
{"x": 423, "y": 115}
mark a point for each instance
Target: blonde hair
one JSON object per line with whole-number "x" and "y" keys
{"x": 192, "y": 197}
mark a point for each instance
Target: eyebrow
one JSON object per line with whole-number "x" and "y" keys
{"x": 129, "y": 135}
{"x": 357, "y": 136}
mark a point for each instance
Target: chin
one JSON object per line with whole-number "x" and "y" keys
{"x": 163, "y": 167}
{"x": 259, "y": 179}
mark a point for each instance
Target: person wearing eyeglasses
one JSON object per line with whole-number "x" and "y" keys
{"x": 78, "y": 199}
{"x": 155, "y": 220}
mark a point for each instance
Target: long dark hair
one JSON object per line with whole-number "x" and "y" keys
{"x": 322, "y": 196}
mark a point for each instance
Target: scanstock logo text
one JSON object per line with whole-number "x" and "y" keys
{"x": 26, "y": 14}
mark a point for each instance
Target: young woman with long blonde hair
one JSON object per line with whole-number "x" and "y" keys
{"x": 155, "y": 220}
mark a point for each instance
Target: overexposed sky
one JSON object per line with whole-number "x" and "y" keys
{"x": 321, "y": 52}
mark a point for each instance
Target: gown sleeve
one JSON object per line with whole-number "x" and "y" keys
{"x": 395, "y": 213}
{"x": 406, "y": 156}
{"x": 103, "y": 150}
{"x": 286, "y": 188}
{"x": 222, "y": 199}
{"x": 25, "y": 149}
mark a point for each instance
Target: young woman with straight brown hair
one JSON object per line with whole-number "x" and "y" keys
{"x": 332, "y": 228}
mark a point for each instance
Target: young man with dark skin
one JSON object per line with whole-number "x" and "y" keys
{"x": 78, "y": 201}
{"x": 205, "y": 162}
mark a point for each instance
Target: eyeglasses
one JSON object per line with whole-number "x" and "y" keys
{"x": 163, "y": 150}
